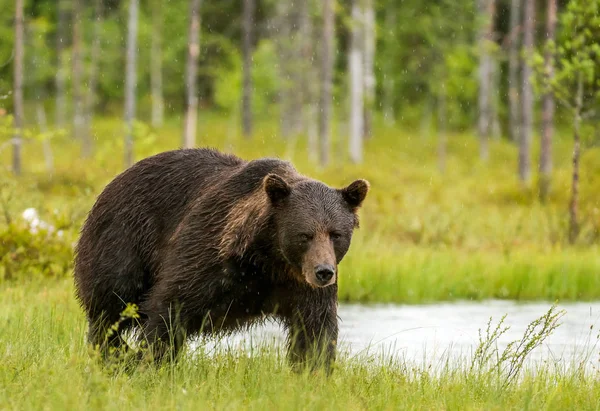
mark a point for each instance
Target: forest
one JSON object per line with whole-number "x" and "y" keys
{"x": 476, "y": 122}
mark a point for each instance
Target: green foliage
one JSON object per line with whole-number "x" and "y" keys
{"x": 228, "y": 84}
{"x": 27, "y": 254}
{"x": 577, "y": 57}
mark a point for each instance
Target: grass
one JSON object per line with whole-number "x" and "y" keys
{"x": 473, "y": 232}
{"x": 45, "y": 364}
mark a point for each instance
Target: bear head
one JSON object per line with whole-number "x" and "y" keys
{"x": 314, "y": 224}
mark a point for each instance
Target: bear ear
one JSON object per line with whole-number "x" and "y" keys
{"x": 276, "y": 188}
{"x": 355, "y": 193}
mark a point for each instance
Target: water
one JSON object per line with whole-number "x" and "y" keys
{"x": 431, "y": 334}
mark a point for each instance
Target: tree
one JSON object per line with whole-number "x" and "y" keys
{"x": 487, "y": 9}
{"x": 130, "y": 79}
{"x": 60, "y": 79}
{"x": 355, "y": 63}
{"x": 18, "y": 87}
{"x": 514, "y": 64}
{"x": 389, "y": 43}
{"x": 308, "y": 76}
{"x": 326, "y": 81}
{"x": 156, "y": 76}
{"x": 548, "y": 109}
{"x": 575, "y": 80}
{"x": 78, "y": 113}
{"x": 527, "y": 95}
{"x": 369, "y": 65}
{"x": 249, "y": 6}
{"x": 90, "y": 104}
{"x": 191, "y": 115}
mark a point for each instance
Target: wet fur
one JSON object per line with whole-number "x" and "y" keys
{"x": 190, "y": 236}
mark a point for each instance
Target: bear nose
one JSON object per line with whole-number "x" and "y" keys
{"x": 324, "y": 272}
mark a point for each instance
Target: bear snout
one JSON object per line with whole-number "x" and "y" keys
{"x": 324, "y": 273}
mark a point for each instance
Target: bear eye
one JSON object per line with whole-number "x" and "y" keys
{"x": 304, "y": 237}
{"x": 335, "y": 235}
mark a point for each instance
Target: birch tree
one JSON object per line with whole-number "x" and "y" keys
{"x": 18, "y": 87}
{"x": 355, "y": 63}
{"x": 249, "y": 8}
{"x": 527, "y": 99}
{"x": 60, "y": 78}
{"x": 487, "y": 9}
{"x": 514, "y": 65}
{"x": 90, "y": 103}
{"x": 130, "y": 79}
{"x": 548, "y": 108}
{"x": 326, "y": 81}
{"x": 575, "y": 82}
{"x": 156, "y": 75}
{"x": 369, "y": 65}
{"x": 191, "y": 115}
{"x": 78, "y": 108}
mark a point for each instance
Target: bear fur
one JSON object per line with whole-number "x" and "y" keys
{"x": 205, "y": 242}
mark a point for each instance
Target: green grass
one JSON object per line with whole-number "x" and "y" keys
{"x": 473, "y": 232}
{"x": 45, "y": 364}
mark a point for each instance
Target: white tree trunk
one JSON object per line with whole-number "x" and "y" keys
{"x": 326, "y": 81}
{"x": 487, "y": 9}
{"x": 60, "y": 78}
{"x": 355, "y": 63}
{"x": 514, "y": 65}
{"x": 191, "y": 116}
{"x": 90, "y": 104}
{"x": 18, "y": 86}
{"x": 156, "y": 77}
{"x": 78, "y": 108}
{"x": 525, "y": 143}
{"x": 390, "y": 67}
{"x": 548, "y": 108}
{"x": 249, "y": 8}
{"x": 369, "y": 65}
{"x": 130, "y": 79}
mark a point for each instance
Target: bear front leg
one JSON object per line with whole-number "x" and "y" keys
{"x": 164, "y": 335}
{"x": 312, "y": 336}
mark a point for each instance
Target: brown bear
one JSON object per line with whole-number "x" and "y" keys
{"x": 205, "y": 242}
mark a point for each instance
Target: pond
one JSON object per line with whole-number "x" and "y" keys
{"x": 431, "y": 334}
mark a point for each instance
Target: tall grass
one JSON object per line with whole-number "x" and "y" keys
{"x": 45, "y": 364}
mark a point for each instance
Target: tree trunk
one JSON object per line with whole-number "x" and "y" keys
{"x": 513, "y": 70}
{"x": 156, "y": 76}
{"x": 495, "y": 128}
{"x": 525, "y": 143}
{"x": 130, "y": 79}
{"x": 369, "y": 68}
{"x": 18, "y": 87}
{"x": 291, "y": 68}
{"x": 78, "y": 114}
{"x": 442, "y": 129}
{"x": 548, "y": 109}
{"x": 309, "y": 76}
{"x": 388, "y": 79}
{"x": 356, "y": 84}
{"x": 90, "y": 104}
{"x": 60, "y": 79}
{"x": 249, "y": 6}
{"x": 282, "y": 40}
{"x": 191, "y": 115}
{"x": 574, "y": 203}
{"x": 488, "y": 9}
{"x": 326, "y": 81}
